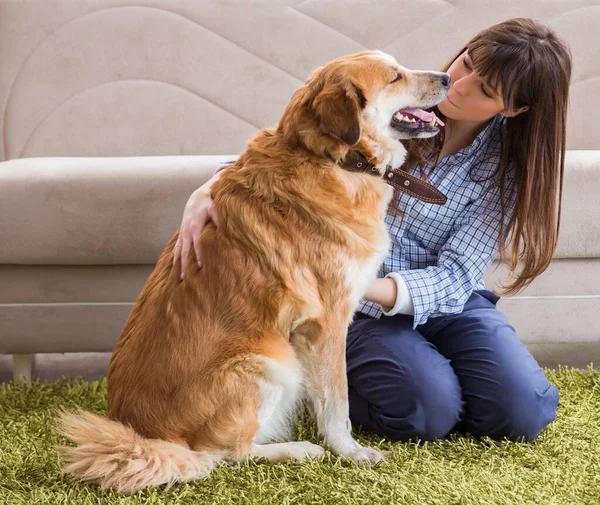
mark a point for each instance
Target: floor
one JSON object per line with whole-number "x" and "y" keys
{"x": 93, "y": 366}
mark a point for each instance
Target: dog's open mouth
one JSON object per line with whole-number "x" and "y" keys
{"x": 416, "y": 120}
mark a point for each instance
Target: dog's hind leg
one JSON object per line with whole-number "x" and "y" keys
{"x": 280, "y": 391}
{"x": 256, "y": 404}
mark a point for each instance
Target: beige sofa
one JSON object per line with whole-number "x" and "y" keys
{"x": 112, "y": 115}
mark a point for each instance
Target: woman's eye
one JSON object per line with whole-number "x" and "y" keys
{"x": 398, "y": 78}
{"x": 482, "y": 86}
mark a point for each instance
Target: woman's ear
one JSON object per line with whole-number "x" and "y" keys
{"x": 515, "y": 112}
{"x": 338, "y": 111}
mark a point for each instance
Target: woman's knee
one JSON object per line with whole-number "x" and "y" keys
{"x": 423, "y": 403}
{"x": 434, "y": 409}
{"x": 518, "y": 413}
{"x": 506, "y": 392}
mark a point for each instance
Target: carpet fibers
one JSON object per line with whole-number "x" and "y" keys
{"x": 562, "y": 466}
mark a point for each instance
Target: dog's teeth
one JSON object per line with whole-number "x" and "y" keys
{"x": 432, "y": 122}
{"x": 412, "y": 120}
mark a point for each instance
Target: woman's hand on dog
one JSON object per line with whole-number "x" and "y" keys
{"x": 199, "y": 210}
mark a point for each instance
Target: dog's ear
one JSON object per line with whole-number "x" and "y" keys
{"x": 337, "y": 107}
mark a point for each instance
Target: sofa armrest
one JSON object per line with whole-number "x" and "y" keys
{"x": 100, "y": 211}
{"x": 580, "y": 221}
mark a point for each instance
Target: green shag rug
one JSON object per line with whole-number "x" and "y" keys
{"x": 562, "y": 466}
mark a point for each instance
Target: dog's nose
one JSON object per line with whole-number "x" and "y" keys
{"x": 445, "y": 80}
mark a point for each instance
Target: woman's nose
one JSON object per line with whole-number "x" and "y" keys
{"x": 460, "y": 84}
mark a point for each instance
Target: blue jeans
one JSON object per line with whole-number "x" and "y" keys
{"x": 465, "y": 372}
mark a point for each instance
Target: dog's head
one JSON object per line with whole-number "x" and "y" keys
{"x": 364, "y": 97}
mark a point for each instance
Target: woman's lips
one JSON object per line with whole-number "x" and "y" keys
{"x": 452, "y": 103}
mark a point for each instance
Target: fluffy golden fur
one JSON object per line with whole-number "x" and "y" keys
{"x": 212, "y": 368}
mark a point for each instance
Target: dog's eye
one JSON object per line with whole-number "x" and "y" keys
{"x": 398, "y": 77}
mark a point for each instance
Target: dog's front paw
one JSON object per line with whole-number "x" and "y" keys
{"x": 350, "y": 448}
{"x": 367, "y": 455}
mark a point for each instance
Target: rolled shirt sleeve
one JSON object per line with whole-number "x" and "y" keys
{"x": 403, "y": 303}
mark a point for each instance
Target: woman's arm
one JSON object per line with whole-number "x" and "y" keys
{"x": 383, "y": 291}
{"x": 462, "y": 261}
{"x": 444, "y": 287}
{"x": 391, "y": 292}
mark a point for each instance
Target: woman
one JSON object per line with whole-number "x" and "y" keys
{"x": 428, "y": 352}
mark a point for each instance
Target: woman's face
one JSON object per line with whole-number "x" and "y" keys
{"x": 470, "y": 98}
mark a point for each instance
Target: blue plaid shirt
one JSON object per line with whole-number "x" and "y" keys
{"x": 443, "y": 251}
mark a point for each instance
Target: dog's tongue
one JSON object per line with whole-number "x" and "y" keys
{"x": 422, "y": 115}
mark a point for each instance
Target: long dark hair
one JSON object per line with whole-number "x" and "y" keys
{"x": 534, "y": 68}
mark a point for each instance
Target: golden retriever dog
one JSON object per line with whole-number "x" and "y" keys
{"x": 212, "y": 368}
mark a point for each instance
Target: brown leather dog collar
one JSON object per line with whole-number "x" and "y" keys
{"x": 398, "y": 179}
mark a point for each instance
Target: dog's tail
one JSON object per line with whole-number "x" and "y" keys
{"x": 113, "y": 455}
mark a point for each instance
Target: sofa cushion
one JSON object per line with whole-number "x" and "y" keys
{"x": 106, "y": 211}
{"x": 86, "y": 211}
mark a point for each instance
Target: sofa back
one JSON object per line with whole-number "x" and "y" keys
{"x": 165, "y": 77}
